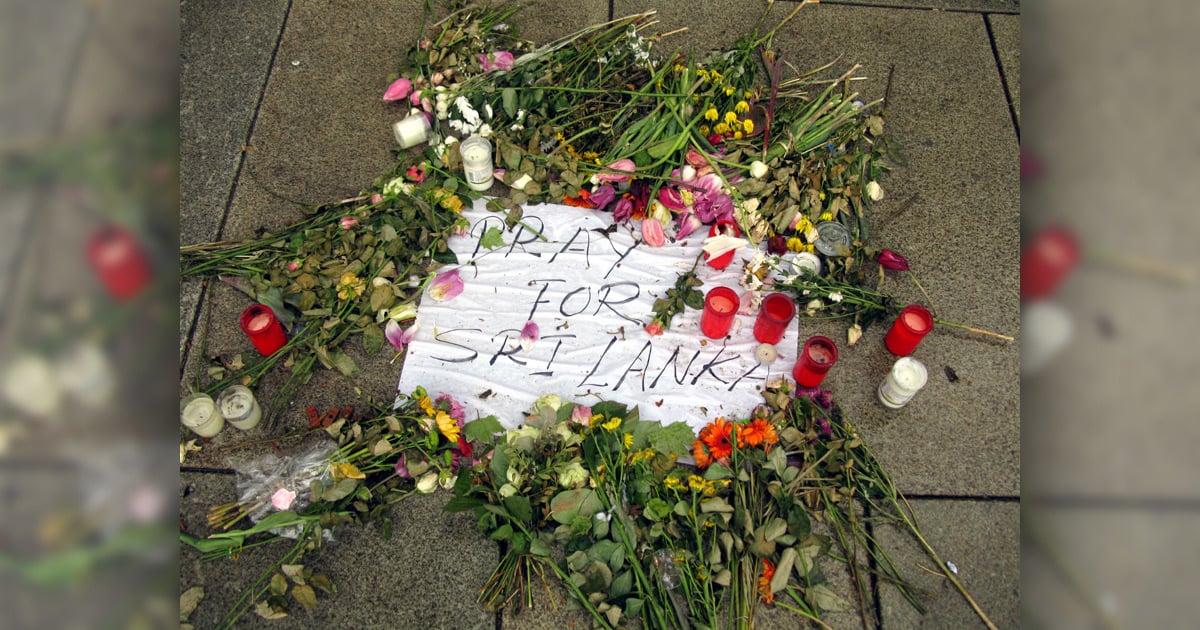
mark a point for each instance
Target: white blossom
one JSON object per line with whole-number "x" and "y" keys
{"x": 758, "y": 168}
{"x": 874, "y": 191}
{"x": 835, "y": 297}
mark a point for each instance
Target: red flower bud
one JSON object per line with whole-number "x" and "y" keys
{"x": 889, "y": 259}
{"x": 777, "y": 245}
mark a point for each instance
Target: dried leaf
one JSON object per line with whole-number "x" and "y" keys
{"x": 279, "y": 584}
{"x": 826, "y": 599}
{"x": 189, "y": 600}
{"x": 304, "y": 594}
{"x": 382, "y": 447}
{"x": 346, "y": 470}
{"x": 294, "y": 572}
{"x": 266, "y": 611}
{"x": 322, "y": 581}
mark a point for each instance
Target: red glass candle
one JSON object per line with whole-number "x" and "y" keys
{"x": 909, "y": 329}
{"x": 119, "y": 260}
{"x": 722, "y": 227}
{"x": 720, "y": 307}
{"x": 1046, "y": 260}
{"x": 819, "y": 354}
{"x": 264, "y": 330}
{"x": 774, "y": 316}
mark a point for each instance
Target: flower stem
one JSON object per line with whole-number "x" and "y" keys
{"x": 974, "y": 329}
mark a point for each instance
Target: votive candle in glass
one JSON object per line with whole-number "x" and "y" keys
{"x": 476, "y": 153}
{"x": 907, "y": 377}
{"x": 199, "y": 413}
{"x": 914, "y": 322}
{"x": 239, "y": 408}
{"x": 774, "y": 315}
{"x": 263, "y": 328}
{"x": 819, "y": 354}
{"x": 720, "y": 307}
{"x": 119, "y": 260}
{"x": 413, "y": 130}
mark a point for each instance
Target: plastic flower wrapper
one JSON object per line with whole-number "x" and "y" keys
{"x": 268, "y": 482}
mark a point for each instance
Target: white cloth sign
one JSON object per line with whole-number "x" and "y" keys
{"x": 590, "y": 292}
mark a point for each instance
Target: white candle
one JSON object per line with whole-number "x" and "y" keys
{"x": 807, "y": 261}
{"x": 239, "y": 407}
{"x": 198, "y": 412}
{"x": 476, "y": 154}
{"x": 412, "y": 131}
{"x": 907, "y": 378}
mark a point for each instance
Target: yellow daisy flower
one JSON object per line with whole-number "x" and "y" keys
{"x": 447, "y": 426}
{"x": 611, "y": 425}
{"x": 628, "y": 439}
{"x": 795, "y": 244}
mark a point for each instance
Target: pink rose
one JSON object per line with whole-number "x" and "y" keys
{"x": 398, "y": 90}
{"x": 348, "y": 222}
{"x": 654, "y": 328}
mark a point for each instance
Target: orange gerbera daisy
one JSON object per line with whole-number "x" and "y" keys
{"x": 714, "y": 443}
{"x": 757, "y": 431}
{"x": 764, "y": 582}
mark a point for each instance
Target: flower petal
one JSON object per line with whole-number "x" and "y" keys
{"x": 446, "y": 286}
{"x": 398, "y": 337}
{"x": 889, "y": 259}
{"x": 529, "y": 336}
{"x": 398, "y": 90}
{"x": 652, "y": 233}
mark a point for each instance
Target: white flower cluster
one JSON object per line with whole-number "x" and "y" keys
{"x": 471, "y": 122}
{"x": 637, "y": 45}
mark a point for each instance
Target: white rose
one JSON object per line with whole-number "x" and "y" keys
{"x": 757, "y": 169}
{"x": 427, "y": 483}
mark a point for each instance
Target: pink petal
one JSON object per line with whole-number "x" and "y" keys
{"x": 282, "y": 499}
{"x": 625, "y": 168}
{"x": 446, "y": 286}
{"x": 529, "y": 336}
{"x": 398, "y": 337}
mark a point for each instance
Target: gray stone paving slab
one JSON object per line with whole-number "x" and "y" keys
{"x": 1098, "y": 426}
{"x": 959, "y": 201}
{"x": 127, "y": 70}
{"x": 981, "y": 539}
{"x": 225, "y": 53}
{"x": 47, "y": 35}
{"x": 1117, "y": 566}
{"x": 425, "y": 575}
{"x": 1006, "y": 35}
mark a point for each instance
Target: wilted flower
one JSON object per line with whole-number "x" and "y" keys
{"x": 854, "y": 334}
{"x": 573, "y": 476}
{"x": 402, "y": 467}
{"x": 415, "y": 173}
{"x": 670, "y": 198}
{"x": 758, "y": 168}
{"x": 889, "y": 259}
{"x": 581, "y": 415}
{"x": 652, "y": 233}
{"x": 777, "y": 245}
{"x": 602, "y": 196}
{"x": 874, "y": 191}
{"x": 500, "y": 60}
{"x": 398, "y": 90}
{"x": 348, "y": 222}
{"x": 398, "y": 337}
{"x": 427, "y": 483}
{"x": 624, "y": 209}
{"x": 446, "y": 286}
{"x": 529, "y": 336}
{"x": 688, "y": 222}
{"x": 655, "y": 328}
{"x": 547, "y": 401}
{"x": 623, "y": 170}
{"x": 293, "y": 266}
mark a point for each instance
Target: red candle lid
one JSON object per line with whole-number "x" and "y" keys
{"x": 916, "y": 322}
{"x": 259, "y": 322}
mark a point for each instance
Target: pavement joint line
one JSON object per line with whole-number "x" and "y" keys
{"x": 1148, "y": 504}
{"x": 908, "y": 7}
{"x": 963, "y": 497}
{"x": 262, "y": 94}
{"x": 204, "y": 470}
{"x": 1008, "y": 99}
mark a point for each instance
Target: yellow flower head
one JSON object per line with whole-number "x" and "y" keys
{"x": 748, "y": 125}
{"x": 696, "y": 483}
{"x": 742, "y": 107}
{"x": 611, "y": 425}
{"x": 704, "y": 130}
{"x": 825, "y": 216}
{"x": 350, "y": 286}
{"x": 628, "y": 439}
{"x": 730, "y": 118}
{"x": 711, "y": 114}
{"x": 596, "y": 418}
{"x": 721, "y": 129}
{"x": 737, "y": 135}
{"x": 795, "y": 244}
{"x": 447, "y": 425}
{"x": 729, "y": 91}
{"x": 426, "y": 405}
{"x": 748, "y": 94}
{"x": 802, "y": 224}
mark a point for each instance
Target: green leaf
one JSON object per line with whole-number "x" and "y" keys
{"x": 492, "y": 238}
{"x": 504, "y": 532}
{"x": 518, "y": 505}
{"x": 826, "y": 599}
{"x": 462, "y": 504}
{"x": 621, "y": 585}
{"x": 340, "y": 490}
{"x": 716, "y": 472}
{"x": 373, "y": 339}
{"x": 278, "y": 584}
{"x": 674, "y": 439}
{"x": 322, "y": 581}
{"x": 568, "y": 504}
{"x": 508, "y": 98}
{"x": 783, "y": 569}
{"x": 538, "y": 547}
{"x": 343, "y": 363}
{"x": 304, "y": 594}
